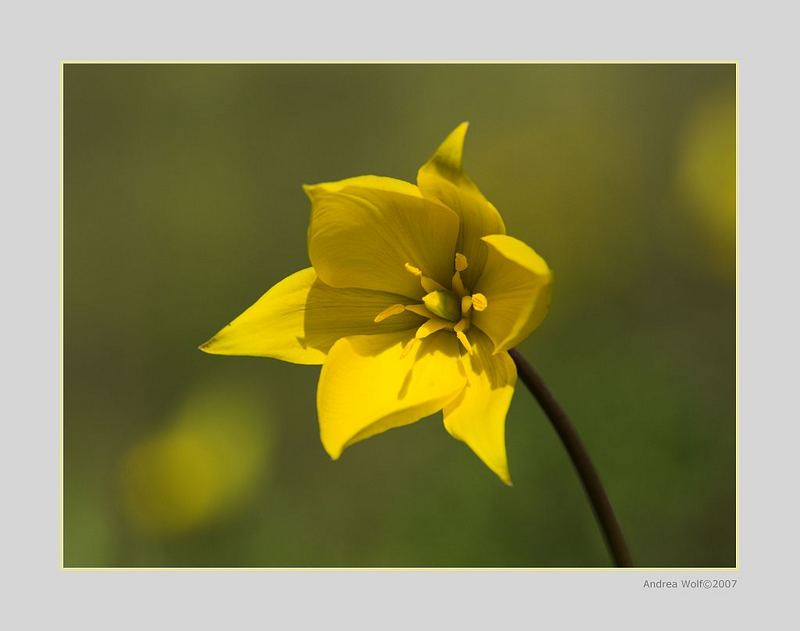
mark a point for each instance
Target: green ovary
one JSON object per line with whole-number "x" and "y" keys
{"x": 443, "y": 304}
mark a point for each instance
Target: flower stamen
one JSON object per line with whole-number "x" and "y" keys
{"x": 428, "y": 284}
{"x": 479, "y": 302}
{"x": 457, "y": 282}
{"x": 389, "y": 312}
{"x": 431, "y": 326}
{"x": 442, "y": 309}
{"x": 420, "y": 310}
{"x": 460, "y": 331}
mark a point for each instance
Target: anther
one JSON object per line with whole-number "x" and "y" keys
{"x": 428, "y": 284}
{"x": 389, "y": 312}
{"x": 479, "y": 302}
{"x": 461, "y": 262}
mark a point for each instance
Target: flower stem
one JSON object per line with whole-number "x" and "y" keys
{"x": 580, "y": 458}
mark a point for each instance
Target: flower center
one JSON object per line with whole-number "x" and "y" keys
{"x": 447, "y": 309}
{"x": 444, "y": 304}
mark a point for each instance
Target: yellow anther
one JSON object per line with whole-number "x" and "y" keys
{"x": 389, "y": 312}
{"x": 464, "y": 341}
{"x": 428, "y": 284}
{"x": 420, "y": 310}
{"x": 431, "y": 326}
{"x": 479, "y": 302}
{"x": 440, "y": 307}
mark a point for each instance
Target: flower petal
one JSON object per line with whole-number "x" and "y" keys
{"x": 478, "y": 415}
{"x": 363, "y": 237}
{"x": 369, "y": 385}
{"x": 377, "y": 182}
{"x": 443, "y": 179}
{"x": 300, "y": 318}
{"x": 516, "y": 283}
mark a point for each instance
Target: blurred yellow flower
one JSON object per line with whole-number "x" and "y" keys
{"x": 706, "y": 177}
{"x": 201, "y": 466}
{"x": 413, "y": 299}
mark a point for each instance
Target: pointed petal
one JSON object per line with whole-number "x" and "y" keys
{"x": 443, "y": 179}
{"x": 516, "y": 283}
{"x": 363, "y": 237}
{"x": 478, "y": 415}
{"x": 446, "y": 161}
{"x": 300, "y": 318}
{"x": 367, "y": 386}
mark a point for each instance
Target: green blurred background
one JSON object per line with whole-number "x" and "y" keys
{"x": 183, "y": 204}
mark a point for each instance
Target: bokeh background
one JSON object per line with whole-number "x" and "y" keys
{"x": 183, "y": 204}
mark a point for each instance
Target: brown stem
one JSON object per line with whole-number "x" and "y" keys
{"x": 580, "y": 458}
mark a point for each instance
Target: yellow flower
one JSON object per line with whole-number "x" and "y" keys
{"x": 413, "y": 299}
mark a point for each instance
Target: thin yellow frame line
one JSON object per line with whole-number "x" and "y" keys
{"x": 738, "y": 545}
{"x": 394, "y": 62}
{"x": 399, "y": 569}
{"x": 61, "y": 304}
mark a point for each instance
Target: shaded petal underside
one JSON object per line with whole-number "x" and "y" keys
{"x": 300, "y": 318}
